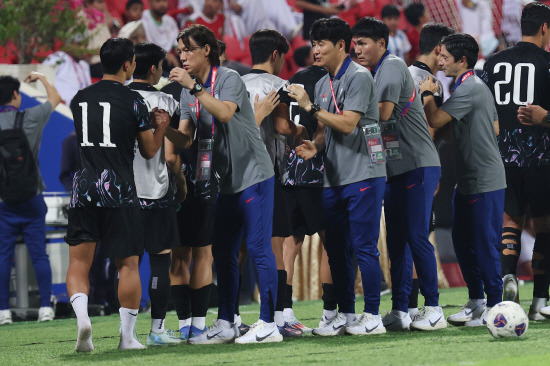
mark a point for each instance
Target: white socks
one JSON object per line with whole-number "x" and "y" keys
{"x": 225, "y": 324}
{"x": 157, "y": 325}
{"x": 237, "y": 320}
{"x": 350, "y": 318}
{"x": 199, "y": 322}
{"x": 128, "y": 319}
{"x": 329, "y": 314}
{"x": 79, "y": 302}
{"x": 184, "y": 322}
{"x": 279, "y": 320}
{"x": 288, "y": 313}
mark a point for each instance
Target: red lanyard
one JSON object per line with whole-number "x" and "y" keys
{"x": 409, "y": 103}
{"x": 197, "y": 104}
{"x": 334, "y": 97}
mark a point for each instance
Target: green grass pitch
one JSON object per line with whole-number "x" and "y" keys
{"x": 29, "y": 343}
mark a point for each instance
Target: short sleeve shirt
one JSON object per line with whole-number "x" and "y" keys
{"x": 240, "y": 158}
{"x": 347, "y": 157}
{"x": 478, "y": 164}
{"x": 395, "y": 84}
{"x": 107, "y": 117}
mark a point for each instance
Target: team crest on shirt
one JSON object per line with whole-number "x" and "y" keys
{"x": 325, "y": 99}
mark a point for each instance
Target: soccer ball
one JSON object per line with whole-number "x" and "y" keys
{"x": 507, "y": 320}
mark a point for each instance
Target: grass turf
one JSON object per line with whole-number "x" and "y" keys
{"x": 29, "y": 343}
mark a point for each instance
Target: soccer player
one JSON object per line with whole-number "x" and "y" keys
{"x": 104, "y": 204}
{"x": 345, "y": 102}
{"x": 518, "y": 76}
{"x": 239, "y": 158}
{"x": 268, "y": 48}
{"x": 413, "y": 173}
{"x": 156, "y": 191}
{"x": 398, "y": 43}
{"x": 479, "y": 195}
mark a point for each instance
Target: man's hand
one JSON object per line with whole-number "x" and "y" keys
{"x": 428, "y": 84}
{"x": 182, "y": 76}
{"x": 307, "y": 150}
{"x": 33, "y": 76}
{"x": 299, "y": 94}
{"x": 182, "y": 190}
{"x": 532, "y": 115}
{"x": 264, "y": 107}
{"x": 160, "y": 119}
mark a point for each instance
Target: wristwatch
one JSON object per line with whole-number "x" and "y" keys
{"x": 425, "y": 93}
{"x": 197, "y": 88}
{"x": 314, "y": 108}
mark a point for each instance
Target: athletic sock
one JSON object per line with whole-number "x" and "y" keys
{"x": 279, "y": 319}
{"x": 413, "y": 297}
{"x": 329, "y": 296}
{"x": 159, "y": 284}
{"x": 184, "y": 322}
{"x": 511, "y": 240}
{"x": 540, "y": 263}
{"x": 182, "y": 301}
{"x": 288, "y": 313}
{"x": 288, "y": 297}
{"x": 281, "y": 291}
{"x": 79, "y": 302}
{"x": 157, "y": 325}
{"x": 225, "y": 324}
{"x": 199, "y": 322}
{"x": 199, "y": 301}
{"x": 128, "y": 319}
{"x": 329, "y": 314}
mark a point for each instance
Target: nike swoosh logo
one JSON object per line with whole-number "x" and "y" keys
{"x": 212, "y": 336}
{"x": 373, "y": 328}
{"x": 338, "y": 327}
{"x": 364, "y": 189}
{"x": 434, "y": 323}
{"x": 259, "y": 339}
{"x": 412, "y": 185}
{"x": 472, "y": 201}
{"x": 132, "y": 314}
{"x": 468, "y": 313}
{"x": 250, "y": 199}
{"x": 76, "y": 298}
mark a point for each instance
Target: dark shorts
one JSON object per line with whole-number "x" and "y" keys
{"x": 527, "y": 188}
{"x": 160, "y": 229}
{"x": 117, "y": 228}
{"x": 304, "y": 209}
{"x": 281, "y": 222}
{"x": 196, "y": 222}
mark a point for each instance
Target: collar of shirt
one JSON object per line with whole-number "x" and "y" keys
{"x": 463, "y": 78}
{"x": 136, "y": 85}
{"x": 7, "y": 108}
{"x": 423, "y": 66}
{"x": 380, "y": 62}
{"x": 208, "y": 82}
{"x": 343, "y": 68}
{"x": 258, "y": 71}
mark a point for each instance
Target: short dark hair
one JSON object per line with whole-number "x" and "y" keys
{"x": 333, "y": 29}
{"x": 372, "y": 28}
{"x": 301, "y": 54}
{"x": 222, "y": 46}
{"x": 533, "y": 16}
{"x": 462, "y": 44}
{"x": 263, "y": 42}
{"x": 8, "y": 85}
{"x": 114, "y": 53}
{"x": 202, "y": 37}
{"x": 147, "y": 55}
{"x": 413, "y": 12}
{"x": 129, "y": 3}
{"x": 431, "y": 35}
{"x": 390, "y": 11}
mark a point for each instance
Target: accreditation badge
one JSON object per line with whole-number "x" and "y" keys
{"x": 390, "y": 139}
{"x": 373, "y": 138}
{"x": 204, "y": 159}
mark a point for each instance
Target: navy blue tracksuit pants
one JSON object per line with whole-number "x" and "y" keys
{"x": 352, "y": 226}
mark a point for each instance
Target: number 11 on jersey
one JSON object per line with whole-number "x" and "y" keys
{"x": 106, "y": 125}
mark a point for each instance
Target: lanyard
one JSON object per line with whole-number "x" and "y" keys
{"x": 7, "y": 108}
{"x": 409, "y": 103}
{"x": 334, "y": 97}
{"x": 463, "y": 78}
{"x": 212, "y": 83}
{"x": 380, "y": 61}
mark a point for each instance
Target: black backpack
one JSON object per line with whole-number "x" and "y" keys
{"x": 18, "y": 170}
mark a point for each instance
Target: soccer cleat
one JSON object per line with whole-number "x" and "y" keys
{"x": 5, "y": 317}
{"x": 479, "y": 321}
{"x": 537, "y": 304}
{"x": 184, "y": 332}
{"x": 334, "y": 326}
{"x": 46, "y": 314}
{"x": 325, "y": 320}
{"x": 545, "y": 311}
{"x": 469, "y": 311}
{"x": 296, "y": 324}
{"x": 367, "y": 324}
{"x": 510, "y": 288}
{"x": 289, "y": 332}
{"x": 195, "y": 332}
{"x": 215, "y": 334}
{"x": 243, "y": 328}
{"x": 261, "y": 332}
{"x": 84, "y": 339}
{"x": 429, "y": 318}
{"x": 161, "y": 339}
{"x": 413, "y": 312}
{"x": 397, "y": 320}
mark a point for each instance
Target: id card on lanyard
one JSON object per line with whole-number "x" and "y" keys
{"x": 370, "y": 132}
{"x": 206, "y": 145}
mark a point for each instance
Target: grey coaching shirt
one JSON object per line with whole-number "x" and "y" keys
{"x": 395, "y": 84}
{"x": 347, "y": 158}
{"x": 478, "y": 163}
{"x": 239, "y": 157}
